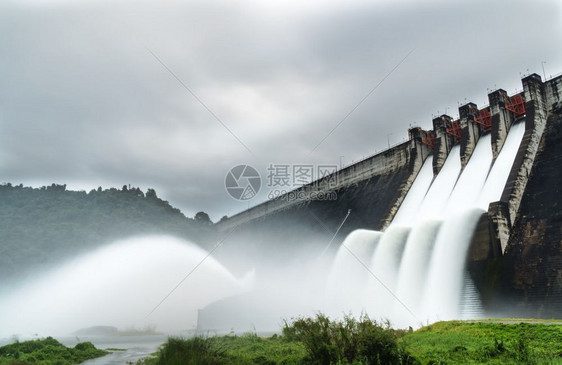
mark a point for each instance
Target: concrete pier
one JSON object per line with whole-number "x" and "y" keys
{"x": 535, "y": 121}
{"x": 471, "y": 131}
{"x": 444, "y": 142}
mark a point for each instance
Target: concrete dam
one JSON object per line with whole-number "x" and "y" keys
{"x": 461, "y": 221}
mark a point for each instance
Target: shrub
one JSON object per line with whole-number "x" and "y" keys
{"x": 47, "y": 351}
{"x": 85, "y": 346}
{"x": 197, "y": 350}
{"x": 347, "y": 341}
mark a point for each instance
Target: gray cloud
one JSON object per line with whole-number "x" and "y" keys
{"x": 83, "y": 101}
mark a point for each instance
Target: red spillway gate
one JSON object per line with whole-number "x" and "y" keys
{"x": 454, "y": 129}
{"x": 516, "y": 105}
{"x": 483, "y": 118}
{"x": 428, "y": 138}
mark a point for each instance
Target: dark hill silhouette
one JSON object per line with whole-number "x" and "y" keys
{"x": 40, "y": 227}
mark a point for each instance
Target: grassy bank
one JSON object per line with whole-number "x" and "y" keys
{"x": 47, "y": 351}
{"x": 362, "y": 341}
{"x": 235, "y": 350}
{"x": 486, "y": 342}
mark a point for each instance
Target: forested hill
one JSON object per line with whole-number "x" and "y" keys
{"x": 40, "y": 227}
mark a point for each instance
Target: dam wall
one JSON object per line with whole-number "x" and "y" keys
{"x": 399, "y": 164}
{"x": 291, "y": 229}
{"x": 515, "y": 258}
{"x": 533, "y": 109}
{"x": 516, "y": 246}
{"x": 531, "y": 276}
{"x": 532, "y": 104}
{"x": 532, "y": 264}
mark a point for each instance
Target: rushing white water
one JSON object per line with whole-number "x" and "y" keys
{"x": 470, "y": 184}
{"x": 119, "y": 285}
{"x": 409, "y": 208}
{"x": 414, "y": 266}
{"x": 346, "y": 283}
{"x": 436, "y": 198}
{"x": 471, "y": 307}
{"x": 386, "y": 260}
{"x": 421, "y": 257}
{"x": 446, "y": 267}
{"x": 502, "y": 166}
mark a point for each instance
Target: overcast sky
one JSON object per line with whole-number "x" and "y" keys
{"x": 86, "y": 99}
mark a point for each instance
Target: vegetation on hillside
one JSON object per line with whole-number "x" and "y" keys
{"x": 41, "y": 226}
{"x": 47, "y": 351}
{"x": 320, "y": 340}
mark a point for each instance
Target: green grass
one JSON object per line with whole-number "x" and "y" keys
{"x": 314, "y": 341}
{"x": 488, "y": 342}
{"x": 253, "y": 349}
{"x": 519, "y": 320}
{"x": 47, "y": 351}
{"x": 236, "y": 350}
{"x": 319, "y": 340}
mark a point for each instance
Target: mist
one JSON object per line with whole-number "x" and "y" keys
{"x": 121, "y": 285}
{"x": 165, "y": 283}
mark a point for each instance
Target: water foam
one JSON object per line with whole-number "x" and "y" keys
{"x": 119, "y": 285}
{"x": 425, "y": 265}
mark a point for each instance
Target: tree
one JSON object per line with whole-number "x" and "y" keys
{"x": 151, "y": 193}
{"x": 203, "y": 219}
